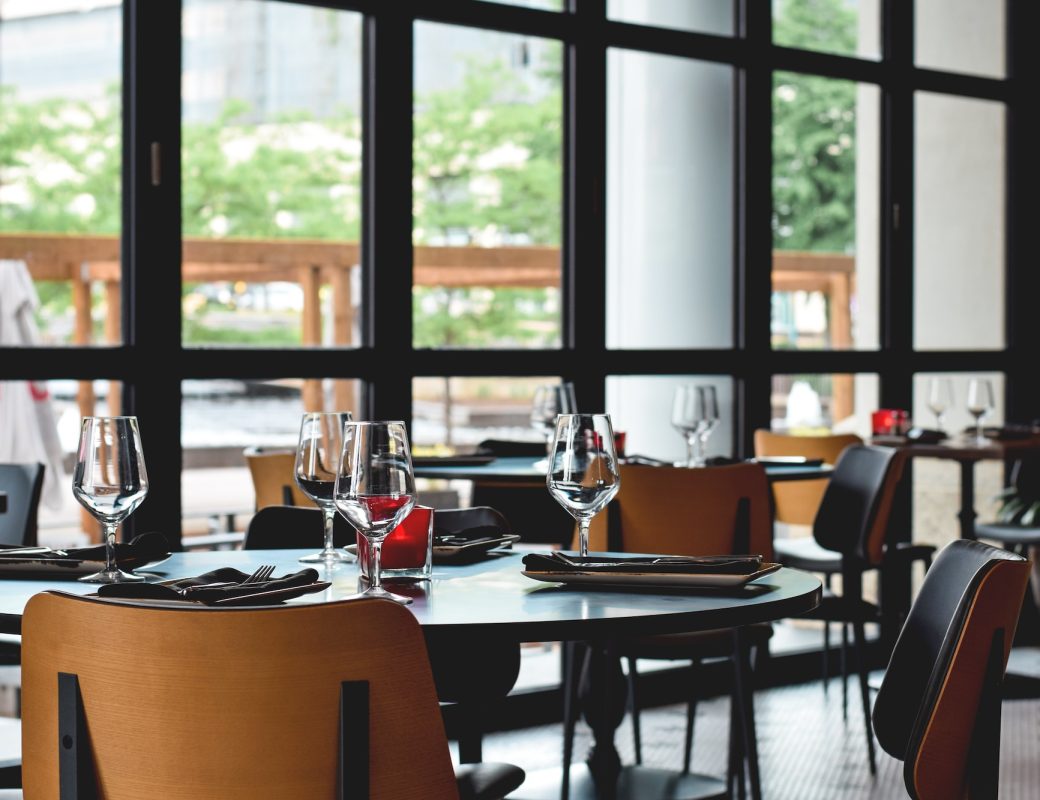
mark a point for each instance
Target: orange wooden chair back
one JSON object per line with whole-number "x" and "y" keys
{"x": 797, "y": 501}
{"x": 272, "y": 471}
{"x": 183, "y": 704}
{"x": 692, "y": 512}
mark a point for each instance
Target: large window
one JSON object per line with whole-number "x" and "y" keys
{"x": 422, "y": 211}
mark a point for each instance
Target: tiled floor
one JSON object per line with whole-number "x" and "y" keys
{"x": 806, "y": 751}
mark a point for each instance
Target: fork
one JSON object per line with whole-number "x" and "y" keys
{"x": 263, "y": 572}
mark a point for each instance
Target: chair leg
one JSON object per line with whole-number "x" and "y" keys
{"x": 691, "y": 716}
{"x": 860, "y": 648}
{"x": 745, "y": 695}
{"x": 735, "y": 772}
{"x": 633, "y": 698}
{"x": 844, "y": 672}
{"x": 573, "y": 663}
{"x": 826, "y": 655}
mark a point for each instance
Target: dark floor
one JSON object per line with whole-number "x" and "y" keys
{"x": 806, "y": 751}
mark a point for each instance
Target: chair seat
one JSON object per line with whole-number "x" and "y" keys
{"x": 701, "y": 644}
{"x": 1009, "y": 534}
{"x": 805, "y": 553}
{"x": 836, "y": 608}
{"x": 487, "y": 781}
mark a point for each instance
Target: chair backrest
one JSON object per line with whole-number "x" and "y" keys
{"x": 854, "y": 513}
{"x": 290, "y": 527}
{"x": 798, "y": 501}
{"x": 185, "y": 704}
{"x": 273, "y": 481}
{"x": 22, "y": 483}
{"x": 947, "y": 664}
{"x": 692, "y": 512}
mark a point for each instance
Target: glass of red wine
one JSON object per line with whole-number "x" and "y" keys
{"x": 375, "y": 488}
{"x": 317, "y": 462}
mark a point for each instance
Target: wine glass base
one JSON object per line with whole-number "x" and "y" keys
{"x": 112, "y": 576}
{"x": 328, "y": 557}
{"x": 383, "y": 594}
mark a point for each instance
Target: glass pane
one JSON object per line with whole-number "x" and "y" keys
{"x": 220, "y": 419}
{"x": 961, "y": 36}
{"x": 703, "y": 16}
{"x": 641, "y": 407}
{"x": 455, "y": 414}
{"x": 844, "y": 27}
{"x": 825, "y": 213}
{"x": 803, "y": 405}
{"x": 40, "y": 422}
{"x": 548, "y": 5}
{"x": 669, "y": 202}
{"x": 271, "y": 174}
{"x": 959, "y": 194}
{"x": 60, "y": 155}
{"x": 487, "y": 199}
{"x": 936, "y": 486}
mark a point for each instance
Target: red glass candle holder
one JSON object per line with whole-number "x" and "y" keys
{"x": 889, "y": 422}
{"x": 619, "y": 444}
{"x": 407, "y": 549}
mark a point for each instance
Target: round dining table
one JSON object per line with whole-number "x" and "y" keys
{"x": 492, "y": 599}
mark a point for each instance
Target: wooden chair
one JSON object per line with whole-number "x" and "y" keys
{"x": 938, "y": 709}
{"x": 850, "y": 528}
{"x": 679, "y": 511}
{"x": 797, "y": 501}
{"x": 472, "y": 683}
{"x": 272, "y": 473}
{"x": 317, "y": 701}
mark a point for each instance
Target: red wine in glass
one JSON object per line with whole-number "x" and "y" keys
{"x": 318, "y": 491}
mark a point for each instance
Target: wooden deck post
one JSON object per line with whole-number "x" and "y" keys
{"x": 310, "y": 283}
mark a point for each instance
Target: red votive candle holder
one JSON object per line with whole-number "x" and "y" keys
{"x": 619, "y": 444}
{"x": 407, "y": 549}
{"x": 889, "y": 422}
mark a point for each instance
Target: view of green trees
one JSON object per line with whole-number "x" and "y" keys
{"x": 487, "y": 159}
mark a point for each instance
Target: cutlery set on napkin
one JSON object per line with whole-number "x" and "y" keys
{"x": 652, "y": 571}
{"x": 222, "y": 587}
{"x": 48, "y": 563}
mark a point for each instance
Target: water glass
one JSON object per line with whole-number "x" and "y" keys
{"x": 317, "y": 461}
{"x": 583, "y": 469}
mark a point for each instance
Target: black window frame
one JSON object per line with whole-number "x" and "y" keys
{"x": 152, "y": 362}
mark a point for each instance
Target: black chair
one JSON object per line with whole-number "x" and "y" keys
{"x": 470, "y": 677}
{"x": 531, "y": 511}
{"x": 22, "y": 483}
{"x": 938, "y": 709}
{"x": 849, "y": 534}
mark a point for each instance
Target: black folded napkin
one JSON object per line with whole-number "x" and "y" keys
{"x": 140, "y": 550}
{"x": 211, "y": 587}
{"x": 478, "y": 533}
{"x": 672, "y": 565}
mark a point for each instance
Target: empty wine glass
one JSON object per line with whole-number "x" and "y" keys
{"x": 980, "y": 405}
{"x": 317, "y": 464}
{"x": 583, "y": 470}
{"x": 375, "y": 488}
{"x": 940, "y": 398}
{"x": 110, "y": 481}
{"x": 695, "y": 414}
{"x": 551, "y": 400}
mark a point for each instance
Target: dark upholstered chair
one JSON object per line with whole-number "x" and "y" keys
{"x": 938, "y": 709}
{"x": 22, "y": 484}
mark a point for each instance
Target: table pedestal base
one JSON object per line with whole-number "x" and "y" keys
{"x": 634, "y": 783}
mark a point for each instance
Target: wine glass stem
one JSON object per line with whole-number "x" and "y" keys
{"x": 583, "y": 536}
{"x": 375, "y": 553}
{"x": 693, "y": 450}
{"x": 330, "y": 518}
{"x": 110, "y": 546}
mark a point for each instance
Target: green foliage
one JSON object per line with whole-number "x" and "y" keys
{"x": 814, "y": 134}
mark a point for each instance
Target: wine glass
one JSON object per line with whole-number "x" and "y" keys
{"x": 110, "y": 481}
{"x": 551, "y": 400}
{"x": 694, "y": 413}
{"x": 583, "y": 470}
{"x": 317, "y": 463}
{"x": 375, "y": 488}
{"x": 980, "y": 405}
{"x": 940, "y": 398}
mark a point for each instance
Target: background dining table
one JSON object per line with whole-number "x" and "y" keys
{"x": 492, "y": 600}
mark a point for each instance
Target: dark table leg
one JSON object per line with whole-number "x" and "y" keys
{"x": 967, "y": 513}
{"x": 603, "y": 692}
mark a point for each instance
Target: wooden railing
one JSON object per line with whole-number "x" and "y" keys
{"x": 83, "y": 260}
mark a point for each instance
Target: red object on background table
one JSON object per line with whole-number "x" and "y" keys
{"x": 889, "y": 422}
{"x": 407, "y": 549}
{"x": 619, "y": 443}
